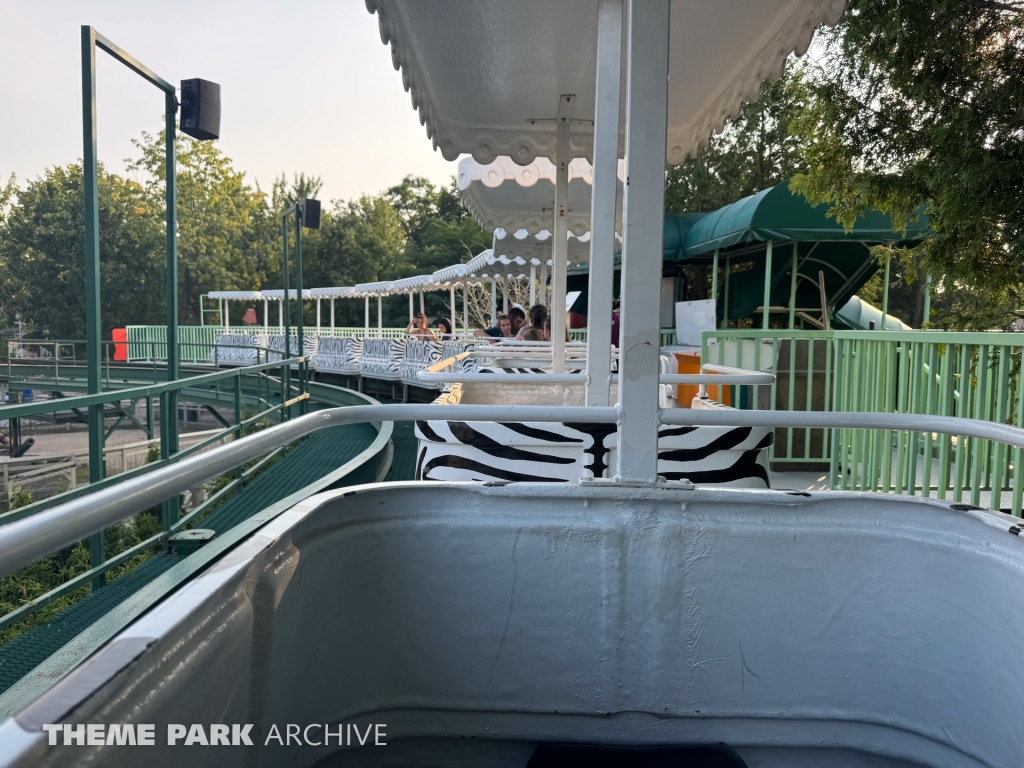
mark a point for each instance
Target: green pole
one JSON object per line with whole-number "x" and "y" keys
{"x": 725, "y": 299}
{"x": 169, "y": 423}
{"x": 714, "y": 279}
{"x": 286, "y": 371}
{"x": 298, "y": 277}
{"x": 792, "y": 288}
{"x": 90, "y": 188}
{"x": 927, "y": 298}
{"x": 767, "y": 284}
{"x": 885, "y": 295}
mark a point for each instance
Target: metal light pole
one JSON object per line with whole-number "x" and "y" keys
{"x": 307, "y": 213}
{"x": 91, "y": 40}
{"x": 207, "y": 128}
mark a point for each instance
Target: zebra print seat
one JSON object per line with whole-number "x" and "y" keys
{"x": 419, "y": 354}
{"x": 454, "y": 348}
{"x": 381, "y": 359}
{"x": 541, "y": 452}
{"x": 338, "y": 355}
{"x": 235, "y": 348}
{"x": 275, "y": 341}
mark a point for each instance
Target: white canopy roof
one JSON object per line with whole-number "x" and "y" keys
{"x": 502, "y": 194}
{"x": 486, "y": 76}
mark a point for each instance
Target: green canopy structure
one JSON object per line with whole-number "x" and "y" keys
{"x": 778, "y": 228}
{"x": 778, "y": 233}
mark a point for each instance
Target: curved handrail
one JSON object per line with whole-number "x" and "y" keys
{"x": 26, "y": 541}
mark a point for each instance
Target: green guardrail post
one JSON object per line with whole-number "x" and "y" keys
{"x": 90, "y": 183}
{"x": 238, "y": 417}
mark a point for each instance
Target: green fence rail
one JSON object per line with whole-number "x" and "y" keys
{"x": 289, "y": 388}
{"x": 970, "y": 375}
{"x": 197, "y": 340}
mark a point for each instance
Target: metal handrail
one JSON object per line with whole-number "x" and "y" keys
{"x": 25, "y": 541}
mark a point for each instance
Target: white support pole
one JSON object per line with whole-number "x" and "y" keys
{"x": 332, "y": 314}
{"x": 494, "y": 301}
{"x": 423, "y": 303}
{"x": 454, "y": 315}
{"x": 544, "y": 285}
{"x": 533, "y": 284}
{"x": 412, "y": 309}
{"x": 602, "y": 201}
{"x": 280, "y": 315}
{"x": 792, "y": 285}
{"x": 266, "y": 316}
{"x": 643, "y": 221}
{"x": 380, "y": 317}
{"x": 504, "y": 293}
{"x": 767, "y": 285}
{"x": 560, "y": 248}
{"x": 318, "y": 314}
{"x": 366, "y": 315}
{"x": 465, "y": 309}
{"x": 227, "y": 318}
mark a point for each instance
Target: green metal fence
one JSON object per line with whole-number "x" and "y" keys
{"x": 970, "y": 375}
{"x": 802, "y": 364}
{"x": 197, "y": 340}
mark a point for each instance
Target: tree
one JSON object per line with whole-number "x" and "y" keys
{"x": 921, "y": 102}
{"x": 220, "y": 246}
{"x": 755, "y": 151}
{"x": 42, "y": 243}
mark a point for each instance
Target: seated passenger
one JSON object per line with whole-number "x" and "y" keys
{"x": 445, "y": 329}
{"x": 418, "y": 327}
{"x": 515, "y": 317}
{"x": 537, "y": 314}
{"x": 531, "y": 334}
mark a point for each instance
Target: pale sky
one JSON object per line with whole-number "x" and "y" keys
{"x": 306, "y": 86}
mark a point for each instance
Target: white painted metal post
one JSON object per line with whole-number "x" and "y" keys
{"x": 332, "y": 314}
{"x": 792, "y": 286}
{"x": 494, "y": 301}
{"x": 465, "y": 309}
{"x": 366, "y": 315}
{"x": 227, "y": 318}
{"x": 454, "y": 314}
{"x": 767, "y": 285}
{"x": 318, "y": 314}
{"x": 411, "y": 307}
{"x": 643, "y": 220}
{"x": 266, "y": 318}
{"x": 504, "y": 293}
{"x": 544, "y": 285}
{"x": 602, "y": 201}
{"x": 280, "y": 314}
{"x": 533, "y": 284}
{"x": 380, "y": 317}
{"x": 560, "y": 247}
{"x": 423, "y": 303}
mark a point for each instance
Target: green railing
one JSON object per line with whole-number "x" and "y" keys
{"x": 970, "y": 375}
{"x": 802, "y": 364}
{"x": 195, "y": 340}
{"x": 288, "y": 388}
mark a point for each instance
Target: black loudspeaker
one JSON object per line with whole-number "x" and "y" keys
{"x": 200, "y": 109}
{"x": 311, "y": 213}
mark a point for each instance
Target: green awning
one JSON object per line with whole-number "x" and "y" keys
{"x": 777, "y": 214}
